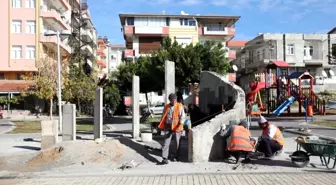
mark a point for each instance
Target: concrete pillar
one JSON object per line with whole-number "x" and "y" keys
{"x": 169, "y": 79}
{"x": 135, "y": 106}
{"x": 69, "y": 122}
{"x": 98, "y": 114}
{"x": 49, "y": 133}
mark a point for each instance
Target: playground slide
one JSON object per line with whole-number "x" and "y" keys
{"x": 284, "y": 106}
{"x": 258, "y": 87}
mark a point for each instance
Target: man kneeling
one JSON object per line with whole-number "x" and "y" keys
{"x": 239, "y": 141}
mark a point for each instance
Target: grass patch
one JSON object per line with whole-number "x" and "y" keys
{"x": 331, "y": 112}
{"x": 152, "y": 120}
{"x": 35, "y": 126}
{"x": 326, "y": 123}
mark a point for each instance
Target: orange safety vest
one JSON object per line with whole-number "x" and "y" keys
{"x": 176, "y": 125}
{"x": 278, "y": 137}
{"x": 240, "y": 140}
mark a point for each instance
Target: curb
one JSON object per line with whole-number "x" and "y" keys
{"x": 311, "y": 134}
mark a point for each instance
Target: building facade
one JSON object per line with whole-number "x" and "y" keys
{"x": 303, "y": 52}
{"x": 24, "y": 44}
{"x": 115, "y": 56}
{"x": 102, "y": 57}
{"x": 143, "y": 33}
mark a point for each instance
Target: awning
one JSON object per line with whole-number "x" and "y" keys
{"x": 278, "y": 64}
{"x": 16, "y": 86}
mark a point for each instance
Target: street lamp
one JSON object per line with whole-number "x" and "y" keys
{"x": 57, "y": 34}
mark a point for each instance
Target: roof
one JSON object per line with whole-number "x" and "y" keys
{"x": 228, "y": 20}
{"x": 332, "y": 31}
{"x": 117, "y": 46}
{"x": 300, "y": 75}
{"x": 278, "y": 64}
{"x": 14, "y": 85}
{"x": 236, "y": 43}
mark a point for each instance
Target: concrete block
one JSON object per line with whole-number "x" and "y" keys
{"x": 146, "y": 137}
{"x": 98, "y": 114}
{"x": 49, "y": 133}
{"x": 136, "y": 107}
{"x": 169, "y": 79}
{"x": 69, "y": 122}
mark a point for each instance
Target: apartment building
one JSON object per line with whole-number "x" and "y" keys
{"x": 143, "y": 33}
{"x": 102, "y": 57}
{"x": 24, "y": 23}
{"x": 303, "y": 52}
{"x": 115, "y": 56}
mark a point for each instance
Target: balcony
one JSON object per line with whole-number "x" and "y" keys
{"x": 101, "y": 63}
{"x": 231, "y": 54}
{"x": 145, "y": 30}
{"x": 87, "y": 48}
{"x": 151, "y": 30}
{"x": 60, "y": 4}
{"x": 86, "y": 35}
{"x": 129, "y": 53}
{"x": 101, "y": 53}
{"x": 52, "y": 43}
{"x": 53, "y": 17}
{"x": 224, "y": 31}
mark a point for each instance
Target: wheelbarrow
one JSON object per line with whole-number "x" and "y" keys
{"x": 326, "y": 150}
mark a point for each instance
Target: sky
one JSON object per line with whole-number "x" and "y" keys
{"x": 257, "y": 16}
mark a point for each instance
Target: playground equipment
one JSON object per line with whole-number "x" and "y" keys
{"x": 282, "y": 90}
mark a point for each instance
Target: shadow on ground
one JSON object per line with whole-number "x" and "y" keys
{"x": 28, "y": 147}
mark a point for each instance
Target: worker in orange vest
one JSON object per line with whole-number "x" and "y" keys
{"x": 271, "y": 141}
{"x": 239, "y": 141}
{"x": 172, "y": 122}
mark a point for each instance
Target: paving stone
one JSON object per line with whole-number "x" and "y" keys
{"x": 201, "y": 179}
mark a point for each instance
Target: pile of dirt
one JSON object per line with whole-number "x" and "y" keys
{"x": 46, "y": 156}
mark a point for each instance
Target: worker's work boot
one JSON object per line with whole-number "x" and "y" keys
{"x": 164, "y": 161}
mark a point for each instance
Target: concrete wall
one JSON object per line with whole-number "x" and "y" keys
{"x": 205, "y": 143}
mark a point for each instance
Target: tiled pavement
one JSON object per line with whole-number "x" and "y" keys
{"x": 326, "y": 178}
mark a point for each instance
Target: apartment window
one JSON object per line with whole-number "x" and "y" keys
{"x": 30, "y": 27}
{"x": 30, "y": 52}
{"x": 2, "y": 76}
{"x": 187, "y": 22}
{"x": 16, "y": 3}
{"x": 333, "y": 49}
{"x": 19, "y": 76}
{"x": 16, "y": 52}
{"x": 167, "y": 21}
{"x": 30, "y": 3}
{"x": 263, "y": 54}
{"x": 130, "y": 21}
{"x": 290, "y": 49}
{"x": 258, "y": 55}
{"x": 16, "y": 26}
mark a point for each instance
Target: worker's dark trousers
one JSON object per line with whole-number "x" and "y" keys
{"x": 268, "y": 146}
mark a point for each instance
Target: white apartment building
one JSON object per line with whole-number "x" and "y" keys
{"x": 115, "y": 56}
{"x": 303, "y": 52}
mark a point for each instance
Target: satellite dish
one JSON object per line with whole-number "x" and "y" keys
{"x": 331, "y": 73}
{"x": 235, "y": 68}
{"x": 324, "y": 74}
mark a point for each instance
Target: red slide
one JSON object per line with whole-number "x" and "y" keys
{"x": 255, "y": 87}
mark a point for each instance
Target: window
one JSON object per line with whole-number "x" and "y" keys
{"x": 311, "y": 50}
{"x": 187, "y": 22}
{"x": 16, "y": 26}
{"x": 130, "y": 21}
{"x": 333, "y": 50}
{"x": 258, "y": 55}
{"x": 2, "y": 76}
{"x": 30, "y": 3}
{"x": 16, "y": 52}
{"x": 263, "y": 54}
{"x": 290, "y": 49}
{"x": 30, "y": 27}
{"x": 167, "y": 21}
{"x": 19, "y": 76}
{"x": 16, "y": 3}
{"x": 30, "y": 52}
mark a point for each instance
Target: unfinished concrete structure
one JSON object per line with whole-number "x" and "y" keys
{"x": 98, "y": 114}
{"x": 49, "y": 133}
{"x": 215, "y": 93}
{"x": 69, "y": 122}
{"x": 135, "y": 107}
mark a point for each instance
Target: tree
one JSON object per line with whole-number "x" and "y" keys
{"x": 111, "y": 96}
{"x": 45, "y": 80}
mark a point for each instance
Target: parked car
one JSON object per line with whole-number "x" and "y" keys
{"x": 157, "y": 109}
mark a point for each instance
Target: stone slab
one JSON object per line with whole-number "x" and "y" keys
{"x": 69, "y": 122}
{"x": 49, "y": 133}
{"x": 169, "y": 79}
{"x": 135, "y": 107}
